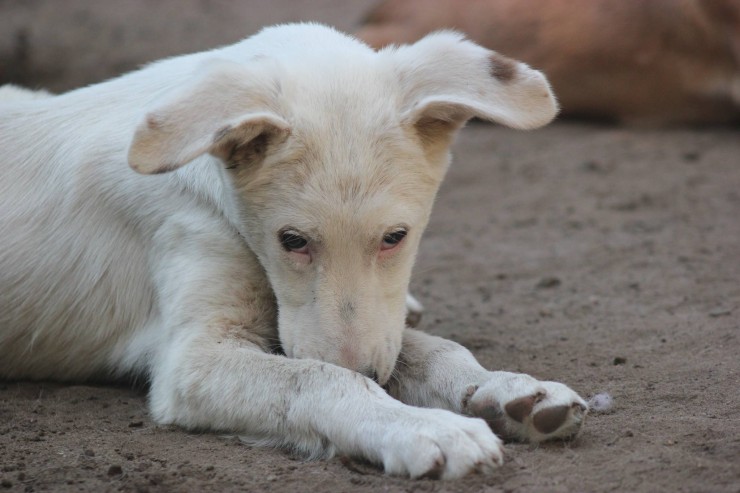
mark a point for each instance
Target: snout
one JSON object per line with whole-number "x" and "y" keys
{"x": 368, "y": 341}
{"x": 376, "y": 367}
{"x": 371, "y": 362}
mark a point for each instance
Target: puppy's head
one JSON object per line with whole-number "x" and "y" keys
{"x": 335, "y": 159}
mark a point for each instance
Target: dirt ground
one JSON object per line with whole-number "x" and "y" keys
{"x": 604, "y": 257}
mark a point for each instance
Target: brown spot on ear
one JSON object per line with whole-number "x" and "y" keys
{"x": 503, "y": 68}
{"x": 152, "y": 122}
{"x": 520, "y": 408}
{"x": 549, "y": 420}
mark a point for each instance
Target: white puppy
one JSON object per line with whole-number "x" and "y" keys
{"x": 254, "y": 264}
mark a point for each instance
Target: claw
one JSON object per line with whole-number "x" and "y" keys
{"x": 436, "y": 470}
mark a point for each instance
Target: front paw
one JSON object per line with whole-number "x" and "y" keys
{"x": 432, "y": 443}
{"x": 518, "y": 407}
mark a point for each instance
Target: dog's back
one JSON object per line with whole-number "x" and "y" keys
{"x": 66, "y": 252}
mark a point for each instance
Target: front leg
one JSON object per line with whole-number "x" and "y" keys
{"x": 224, "y": 383}
{"x": 211, "y": 368}
{"x": 435, "y": 372}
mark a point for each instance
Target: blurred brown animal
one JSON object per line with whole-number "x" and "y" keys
{"x": 633, "y": 61}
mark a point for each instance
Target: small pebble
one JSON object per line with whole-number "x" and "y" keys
{"x": 619, "y": 360}
{"x": 549, "y": 282}
{"x": 601, "y": 403}
{"x": 590, "y": 165}
{"x": 720, "y": 312}
{"x": 115, "y": 470}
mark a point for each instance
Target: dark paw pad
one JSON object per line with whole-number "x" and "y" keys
{"x": 488, "y": 410}
{"x": 550, "y": 419}
{"x": 520, "y": 408}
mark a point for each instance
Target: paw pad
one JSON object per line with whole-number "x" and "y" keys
{"x": 550, "y": 419}
{"x": 540, "y": 415}
{"x": 487, "y": 409}
{"x": 520, "y": 408}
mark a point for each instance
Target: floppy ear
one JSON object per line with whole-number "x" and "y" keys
{"x": 446, "y": 80}
{"x": 222, "y": 113}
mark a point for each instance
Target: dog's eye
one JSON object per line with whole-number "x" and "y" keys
{"x": 293, "y": 242}
{"x": 390, "y": 240}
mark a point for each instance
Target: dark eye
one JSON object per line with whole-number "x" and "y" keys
{"x": 293, "y": 242}
{"x": 393, "y": 238}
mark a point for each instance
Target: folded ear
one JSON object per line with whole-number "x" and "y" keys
{"x": 221, "y": 113}
{"x": 446, "y": 80}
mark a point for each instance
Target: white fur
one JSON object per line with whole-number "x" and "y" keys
{"x": 176, "y": 273}
{"x": 9, "y": 92}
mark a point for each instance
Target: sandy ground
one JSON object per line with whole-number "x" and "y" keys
{"x": 604, "y": 257}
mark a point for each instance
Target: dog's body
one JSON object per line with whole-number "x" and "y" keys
{"x": 313, "y": 164}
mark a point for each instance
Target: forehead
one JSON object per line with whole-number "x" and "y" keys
{"x": 365, "y": 179}
{"x": 348, "y": 159}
